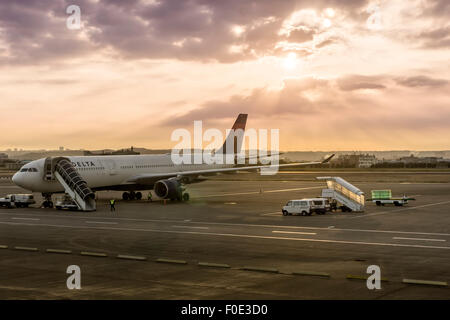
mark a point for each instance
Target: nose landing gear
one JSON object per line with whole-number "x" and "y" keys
{"x": 48, "y": 203}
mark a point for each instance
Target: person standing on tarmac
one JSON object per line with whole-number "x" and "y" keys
{"x": 149, "y": 198}
{"x": 112, "y": 202}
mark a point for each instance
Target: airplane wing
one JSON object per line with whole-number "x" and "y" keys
{"x": 153, "y": 177}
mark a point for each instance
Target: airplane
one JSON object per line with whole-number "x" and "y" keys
{"x": 83, "y": 175}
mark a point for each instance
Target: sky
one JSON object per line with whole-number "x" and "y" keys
{"x": 329, "y": 74}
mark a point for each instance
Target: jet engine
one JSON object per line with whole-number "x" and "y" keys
{"x": 168, "y": 189}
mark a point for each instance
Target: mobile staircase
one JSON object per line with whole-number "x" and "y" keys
{"x": 74, "y": 185}
{"x": 344, "y": 193}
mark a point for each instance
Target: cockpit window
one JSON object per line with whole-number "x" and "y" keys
{"x": 28, "y": 170}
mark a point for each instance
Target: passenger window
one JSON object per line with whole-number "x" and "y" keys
{"x": 303, "y": 203}
{"x": 289, "y": 204}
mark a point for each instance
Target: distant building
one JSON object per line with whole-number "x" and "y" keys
{"x": 3, "y": 156}
{"x": 355, "y": 160}
{"x": 414, "y": 159}
{"x": 109, "y": 153}
{"x": 367, "y": 160}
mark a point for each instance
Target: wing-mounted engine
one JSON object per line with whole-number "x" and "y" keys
{"x": 169, "y": 189}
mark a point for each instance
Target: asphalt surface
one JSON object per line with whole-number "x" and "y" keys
{"x": 251, "y": 251}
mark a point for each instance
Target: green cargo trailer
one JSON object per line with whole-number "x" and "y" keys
{"x": 382, "y": 197}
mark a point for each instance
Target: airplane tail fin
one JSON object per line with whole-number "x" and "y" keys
{"x": 233, "y": 142}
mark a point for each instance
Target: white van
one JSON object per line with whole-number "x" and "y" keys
{"x": 306, "y": 207}
{"x": 17, "y": 200}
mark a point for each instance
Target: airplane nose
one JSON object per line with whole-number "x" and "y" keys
{"x": 16, "y": 179}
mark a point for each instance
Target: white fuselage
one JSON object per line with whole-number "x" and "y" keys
{"x": 104, "y": 171}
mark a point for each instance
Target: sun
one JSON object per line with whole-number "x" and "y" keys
{"x": 290, "y": 62}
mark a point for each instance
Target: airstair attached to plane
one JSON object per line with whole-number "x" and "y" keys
{"x": 346, "y": 194}
{"x": 74, "y": 185}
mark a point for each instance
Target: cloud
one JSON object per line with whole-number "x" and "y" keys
{"x": 357, "y": 82}
{"x": 333, "y": 103}
{"x": 35, "y": 31}
{"x": 421, "y": 81}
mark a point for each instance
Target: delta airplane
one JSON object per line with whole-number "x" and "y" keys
{"x": 128, "y": 173}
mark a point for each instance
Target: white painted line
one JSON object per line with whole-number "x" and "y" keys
{"x": 190, "y": 227}
{"x": 294, "y": 232}
{"x": 234, "y": 235}
{"x": 399, "y": 210}
{"x": 418, "y": 239}
{"x": 244, "y": 225}
{"x": 272, "y": 214}
{"x": 31, "y": 219}
{"x": 256, "y": 192}
{"x": 101, "y": 222}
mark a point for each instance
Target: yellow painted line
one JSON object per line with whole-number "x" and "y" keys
{"x": 162, "y": 260}
{"x": 261, "y": 269}
{"x": 214, "y": 265}
{"x": 425, "y": 282}
{"x": 311, "y": 273}
{"x": 58, "y": 251}
{"x": 294, "y": 232}
{"x": 93, "y": 254}
{"x": 358, "y": 277}
{"x": 26, "y": 248}
{"x": 122, "y": 256}
{"x": 3, "y": 247}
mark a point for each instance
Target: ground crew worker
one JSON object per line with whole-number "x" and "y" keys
{"x": 112, "y": 202}
{"x": 149, "y": 197}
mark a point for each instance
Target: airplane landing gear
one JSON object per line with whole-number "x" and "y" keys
{"x": 131, "y": 195}
{"x": 48, "y": 203}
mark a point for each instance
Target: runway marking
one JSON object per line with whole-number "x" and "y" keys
{"x": 31, "y": 219}
{"x": 235, "y": 235}
{"x": 418, "y": 239}
{"x": 272, "y": 214}
{"x": 403, "y": 209}
{"x": 101, "y": 222}
{"x": 294, "y": 232}
{"x": 190, "y": 227}
{"x": 425, "y": 282}
{"x": 256, "y": 192}
{"x": 245, "y": 225}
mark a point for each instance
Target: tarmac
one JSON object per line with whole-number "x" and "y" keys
{"x": 232, "y": 242}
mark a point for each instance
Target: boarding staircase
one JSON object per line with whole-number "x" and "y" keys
{"x": 74, "y": 185}
{"x": 344, "y": 193}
